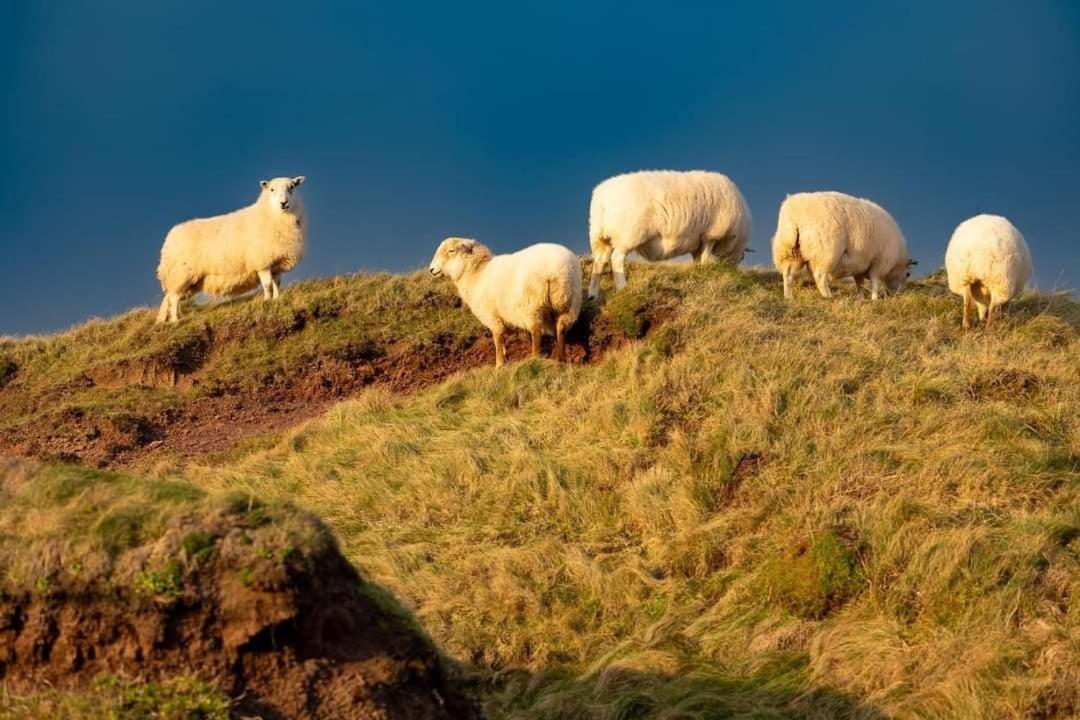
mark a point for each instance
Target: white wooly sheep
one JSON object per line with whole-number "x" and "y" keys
{"x": 236, "y": 252}
{"x": 987, "y": 262}
{"x": 536, "y": 289}
{"x": 834, "y": 236}
{"x": 662, "y": 214}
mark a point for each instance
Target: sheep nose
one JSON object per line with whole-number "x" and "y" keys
{"x": 284, "y": 204}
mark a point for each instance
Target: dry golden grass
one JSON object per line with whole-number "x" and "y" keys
{"x": 766, "y": 509}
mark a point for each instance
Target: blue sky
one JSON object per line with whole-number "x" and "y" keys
{"x": 414, "y": 121}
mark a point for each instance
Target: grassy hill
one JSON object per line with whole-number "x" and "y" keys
{"x": 759, "y": 509}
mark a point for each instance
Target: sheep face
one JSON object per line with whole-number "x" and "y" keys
{"x": 899, "y": 275}
{"x": 279, "y": 192}
{"x": 453, "y": 257}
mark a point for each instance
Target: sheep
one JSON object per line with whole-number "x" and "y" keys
{"x": 663, "y": 214}
{"x": 987, "y": 262}
{"x": 236, "y": 252}
{"x": 536, "y": 289}
{"x": 836, "y": 236}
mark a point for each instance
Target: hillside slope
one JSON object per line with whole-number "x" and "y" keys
{"x": 761, "y": 509}
{"x": 767, "y": 508}
{"x": 126, "y": 392}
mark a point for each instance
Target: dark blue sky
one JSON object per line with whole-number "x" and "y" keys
{"x": 418, "y": 121}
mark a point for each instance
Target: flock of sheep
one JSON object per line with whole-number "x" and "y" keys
{"x": 657, "y": 214}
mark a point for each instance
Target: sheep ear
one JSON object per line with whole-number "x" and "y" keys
{"x": 467, "y": 248}
{"x": 298, "y": 180}
{"x": 912, "y": 262}
{"x": 264, "y": 184}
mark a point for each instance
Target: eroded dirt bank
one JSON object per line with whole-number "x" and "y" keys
{"x": 257, "y": 601}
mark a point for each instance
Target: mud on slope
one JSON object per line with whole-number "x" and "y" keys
{"x": 190, "y": 398}
{"x": 257, "y": 601}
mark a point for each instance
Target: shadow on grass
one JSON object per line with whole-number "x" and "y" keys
{"x": 623, "y": 694}
{"x": 620, "y": 692}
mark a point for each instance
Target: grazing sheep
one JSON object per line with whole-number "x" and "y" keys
{"x": 233, "y": 253}
{"x": 663, "y": 214}
{"x": 836, "y": 236}
{"x": 987, "y": 262}
{"x": 537, "y": 289}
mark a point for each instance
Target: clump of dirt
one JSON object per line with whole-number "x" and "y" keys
{"x": 1004, "y": 384}
{"x": 288, "y": 631}
{"x": 211, "y": 418}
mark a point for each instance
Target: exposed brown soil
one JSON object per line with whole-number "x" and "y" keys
{"x": 299, "y": 636}
{"x": 215, "y": 420}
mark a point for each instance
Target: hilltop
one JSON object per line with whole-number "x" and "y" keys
{"x": 730, "y": 505}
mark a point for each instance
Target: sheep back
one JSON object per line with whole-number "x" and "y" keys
{"x": 665, "y": 213}
{"x": 539, "y": 282}
{"x": 842, "y": 234}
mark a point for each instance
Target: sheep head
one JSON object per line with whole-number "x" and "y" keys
{"x": 456, "y": 256}
{"x": 280, "y": 193}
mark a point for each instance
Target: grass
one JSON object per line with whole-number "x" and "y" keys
{"x": 768, "y": 509}
{"x": 126, "y": 366}
{"x": 69, "y": 531}
{"x": 115, "y": 698}
{"x": 765, "y": 508}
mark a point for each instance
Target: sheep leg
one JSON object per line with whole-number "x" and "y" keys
{"x": 990, "y": 311}
{"x": 276, "y": 277}
{"x": 706, "y": 253}
{"x": 967, "y": 307}
{"x": 618, "y": 268}
{"x": 561, "y": 325}
{"x": 266, "y": 279}
{"x": 791, "y": 275}
{"x": 600, "y": 261}
{"x": 500, "y": 347}
{"x": 859, "y": 289}
{"x": 821, "y": 279}
{"x": 535, "y": 333}
{"x": 163, "y": 310}
{"x": 174, "y": 307}
{"x": 875, "y": 287}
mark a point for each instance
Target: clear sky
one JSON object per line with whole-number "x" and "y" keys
{"x": 414, "y": 121}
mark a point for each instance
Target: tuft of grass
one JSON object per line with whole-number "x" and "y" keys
{"x": 198, "y": 546}
{"x": 166, "y": 581}
{"x": 816, "y": 577}
{"x": 121, "y": 529}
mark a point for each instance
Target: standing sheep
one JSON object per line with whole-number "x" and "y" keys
{"x": 233, "y": 253}
{"x": 836, "y": 236}
{"x": 536, "y": 289}
{"x": 987, "y": 262}
{"x": 663, "y": 214}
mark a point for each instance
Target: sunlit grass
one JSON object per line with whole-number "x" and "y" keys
{"x": 806, "y": 508}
